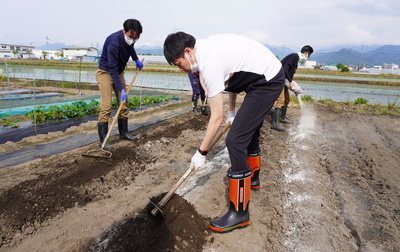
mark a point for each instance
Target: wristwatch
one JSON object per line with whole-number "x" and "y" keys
{"x": 202, "y": 152}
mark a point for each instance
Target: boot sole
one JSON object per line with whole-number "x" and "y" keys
{"x": 229, "y": 229}
{"x": 133, "y": 139}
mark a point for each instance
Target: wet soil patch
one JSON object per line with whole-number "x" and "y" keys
{"x": 181, "y": 229}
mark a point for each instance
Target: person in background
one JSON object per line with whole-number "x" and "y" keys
{"x": 289, "y": 64}
{"x": 232, "y": 63}
{"x": 198, "y": 91}
{"x": 117, "y": 49}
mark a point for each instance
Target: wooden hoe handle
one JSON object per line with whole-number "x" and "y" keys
{"x": 119, "y": 108}
{"x": 168, "y": 196}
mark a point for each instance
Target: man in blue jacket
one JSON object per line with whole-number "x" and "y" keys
{"x": 117, "y": 49}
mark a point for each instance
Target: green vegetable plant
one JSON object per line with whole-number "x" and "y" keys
{"x": 135, "y": 102}
{"x": 361, "y": 100}
{"x": 7, "y": 122}
{"x": 81, "y": 108}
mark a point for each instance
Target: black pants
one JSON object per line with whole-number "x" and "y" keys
{"x": 243, "y": 137}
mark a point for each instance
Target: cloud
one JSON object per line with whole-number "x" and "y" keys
{"x": 357, "y": 35}
{"x": 261, "y": 37}
{"x": 291, "y": 23}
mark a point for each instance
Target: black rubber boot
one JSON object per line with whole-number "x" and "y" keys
{"x": 254, "y": 162}
{"x": 103, "y": 130}
{"x": 195, "y": 109}
{"x": 284, "y": 119}
{"x": 204, "y": 108}
{"x": 238, "y": 215}
{"x": 123, "y": 130}
{"x": 275, "y": 120}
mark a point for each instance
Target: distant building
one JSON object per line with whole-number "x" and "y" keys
{"x": 74, "y": 53}
{"x": 50, "y": 54}
{"x": 329, "y": 67}
{"x": 311, "y": 64}
{"x": 390, "y": 66}
{"x": 6, "y": 51}
{"x": 351, "y": 68}
{"x": 67, "y": 53}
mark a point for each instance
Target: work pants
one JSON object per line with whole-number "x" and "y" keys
{"x": 283, "y": 99}
{"x": 106, "y": 86}
{"x": 243, "y": 136}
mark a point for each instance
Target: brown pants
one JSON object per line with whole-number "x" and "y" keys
{"x": 283, "y": 99}
{"x": 106, "y": 86}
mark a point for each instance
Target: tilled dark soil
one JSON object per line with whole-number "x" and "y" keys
{"x": 77, "y": 181}
{"x": 178, "y": 228}
{"x": 330, "y": 182}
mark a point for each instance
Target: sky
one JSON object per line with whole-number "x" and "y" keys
{"x": 284, "y": 23}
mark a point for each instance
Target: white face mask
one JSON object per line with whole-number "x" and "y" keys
{"x": 128, "y": 40}
{"x": 302, "y": 58}
{"x": 194, "y": 68}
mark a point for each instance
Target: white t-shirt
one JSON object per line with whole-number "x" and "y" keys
{"x": 221, "y": 56}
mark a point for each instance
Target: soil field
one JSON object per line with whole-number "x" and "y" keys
{"x": 330, "y": 182}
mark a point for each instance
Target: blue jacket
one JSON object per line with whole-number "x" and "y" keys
{"x": 115, "y": 56}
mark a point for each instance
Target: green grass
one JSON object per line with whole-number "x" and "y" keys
{"x": 360, "y": 105}
{"x": 361, "y": 100}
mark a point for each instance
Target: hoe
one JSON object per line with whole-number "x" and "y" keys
{"x": 102, "y": 153}
{"x": 157, "y": 207}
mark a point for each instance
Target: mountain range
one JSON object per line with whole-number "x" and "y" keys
{"x": 347, "y": 55}
{"x": 384, "y": 54}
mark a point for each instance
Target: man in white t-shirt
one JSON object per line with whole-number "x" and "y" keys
{"x": 233, "y": 63}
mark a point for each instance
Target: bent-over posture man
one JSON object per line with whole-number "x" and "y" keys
{"x": 289, "y": 64}
{"x": 235, "y": 64}
{"x": 117, "y": 49}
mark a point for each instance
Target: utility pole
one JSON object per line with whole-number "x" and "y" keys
{"x": 359, "y": 65}
{"x": 48, "y": 53}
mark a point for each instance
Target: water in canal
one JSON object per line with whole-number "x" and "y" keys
{"x": 342, "y": 92}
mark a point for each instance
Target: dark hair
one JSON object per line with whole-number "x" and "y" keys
{"x": 134, "y": 25}
{"x": 175, "y": 44}
{"x": 308, "y": 49}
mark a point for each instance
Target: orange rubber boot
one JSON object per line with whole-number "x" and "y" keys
{"x": 238, "y": 215}
{"x": 254, "y": 162}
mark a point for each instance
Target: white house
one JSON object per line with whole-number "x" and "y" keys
{"x": 309, "y": 64}
{"x": 73, "y": 53}
{"x": 6, "y": 51}
{"x": 390, "y": 66}
{"x": 51, "y": 54}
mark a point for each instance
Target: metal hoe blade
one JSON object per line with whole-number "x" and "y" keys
{"x": 107, "y": 154}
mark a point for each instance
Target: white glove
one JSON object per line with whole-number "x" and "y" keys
{"x": 295, "y": 88}
{"x": 198, "y": 160}
{"x": 231, "y": 116}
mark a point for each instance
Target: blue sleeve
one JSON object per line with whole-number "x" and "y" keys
{"x": 113, "y": 55}
{"x": 133, "y": 54}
